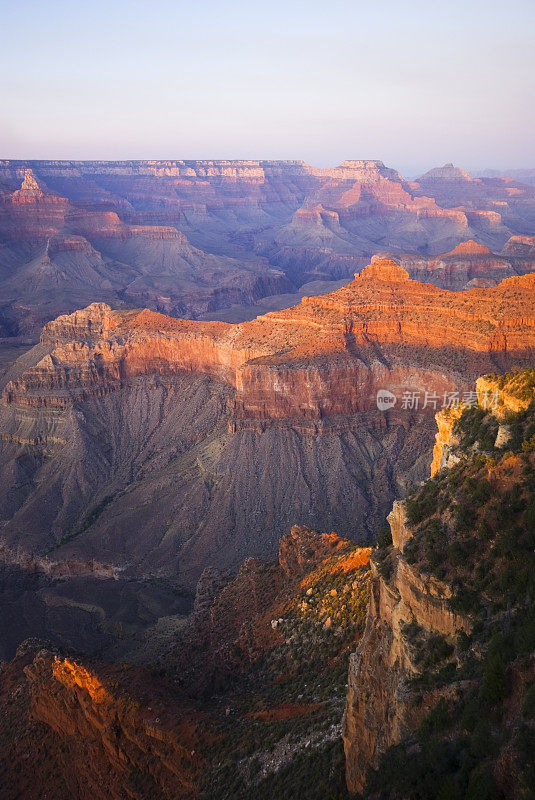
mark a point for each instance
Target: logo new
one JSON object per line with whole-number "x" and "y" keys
{"x": 385, "y": 400}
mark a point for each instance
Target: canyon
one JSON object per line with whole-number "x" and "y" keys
{"x": 160, "y": 446}
{"x": 246, "y": 697}
{"x": 244, "y": 692}
{"x": 197, "y": 357}
{"x": 232, "y": 239}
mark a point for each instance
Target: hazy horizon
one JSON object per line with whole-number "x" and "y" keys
{"x": 412, "y": 85}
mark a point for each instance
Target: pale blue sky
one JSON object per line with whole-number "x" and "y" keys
{"x": 413, "y": 83}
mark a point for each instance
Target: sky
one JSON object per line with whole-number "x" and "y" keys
{"x": 415, "y": 84}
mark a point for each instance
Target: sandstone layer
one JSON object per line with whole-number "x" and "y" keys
{"x": 163, "y": 445}
{"x": 322, "y": 345}
{"x": 192, "y": 238}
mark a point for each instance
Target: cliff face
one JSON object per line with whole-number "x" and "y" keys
{"x": 382, "y": 708}
{"x": 503, "y": 395}
{"x": 445, "y": 439}
{"x": 122, "y": 411}
{"x": 319, "y": 346}
{"x": 437, "y": 662}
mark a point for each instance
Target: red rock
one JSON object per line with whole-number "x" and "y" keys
{"x": 306, "y": 361}
{"x": 469, "y": 265}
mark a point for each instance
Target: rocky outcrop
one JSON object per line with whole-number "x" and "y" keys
{"x": 101, "y": 738}
{"x": 241, "y": 617}
{"x": 397, "y": 519}
{"x": 303, "y": 548}
{"x": 433, "y": 640}
{"x": 504, "y": 395}
{"x": 292, "y": 363}
{"x": 383, "y": 708}
{"x": 467, "y": 266}
{"x": 445, "y": 439}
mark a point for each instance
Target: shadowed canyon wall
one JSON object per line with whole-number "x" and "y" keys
{"x": 155, "y": 444}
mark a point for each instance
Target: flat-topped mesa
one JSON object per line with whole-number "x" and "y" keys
{"x": 68, "y": 243}
{"x": 363, "y": 171}
{"x": 326, "y": 356}
{"x": 147, "y": 232}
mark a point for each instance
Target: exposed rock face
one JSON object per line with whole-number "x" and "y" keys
{"x": 99, "y": 737}
{"x": 266, "y": 360}
{"x": 191, "y": 238}
{"x": 304, "y": 548}
{"x": 141, "y": 432}
{"x": 498, "y": 394}
{"x": 408, "y": 603}
{"x": 397, "y": 519}
{"x": 445, "y": 440}
{"x": 443, "y": 575}
{"x": 469, "y": 265}
{"x": 381, "y": 707}
{"x": 505, "y": 392}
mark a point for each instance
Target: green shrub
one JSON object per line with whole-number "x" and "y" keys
{"x": 384, "y": 539}
{"x": 494, "y": 685}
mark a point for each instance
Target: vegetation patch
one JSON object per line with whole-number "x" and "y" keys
{"x": 86, "y": 522}
{"x": 474, "y": 527}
